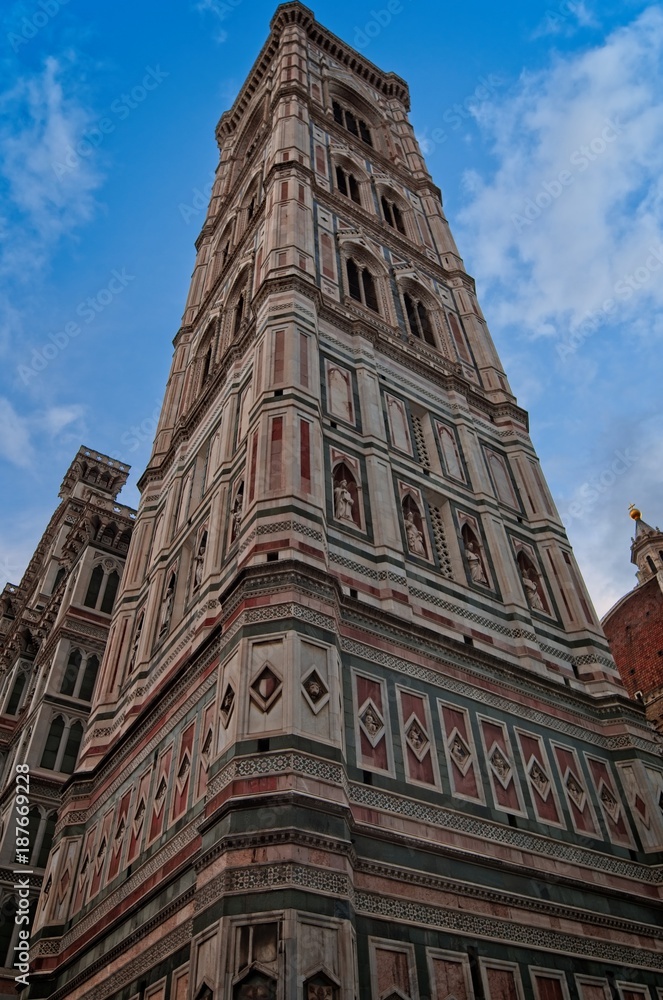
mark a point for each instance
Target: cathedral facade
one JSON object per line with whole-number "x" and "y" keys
{"x": 357, "y": 733}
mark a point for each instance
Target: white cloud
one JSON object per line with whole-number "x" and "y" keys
{"x": 575, "y": 205}
{"x": 219, "y": 10}
{"x": 21, "y": 437}
{"x": 15, "y": 444}
{"x": 44, "y": 120}
{"x": 564, "y": 19}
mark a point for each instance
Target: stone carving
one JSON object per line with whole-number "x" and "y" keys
{"x": 500, "y": 766}
{"x": 237, "y": 513}
{"x": 198, "y": 562}
{"x": 531, "y": 589}
{"x": 343, "y": 502}
{"x": 415, "y": 538}
{"x": 459, "y": 752}
{"x": 167, "y": 608}
{"x": 315, "y": 691}
{"x": 372, "y": 723}
{"x": 477, "y": 574}
{"x": 227, "y": 704}
{"x": 610, "y": 802}
{"x": 576, "y": 791}
{"x": 417, "y": 739}
{"x": 539, "y": 780}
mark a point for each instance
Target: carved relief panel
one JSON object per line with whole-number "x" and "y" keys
{"x": 417, "y": 742}
{"x": 540, "y": 779}
{"x": 460, "y": 751}
{"x": 372, "y": 728}
{"x": 500, "y": 764}
{"x": 578, "y": 800}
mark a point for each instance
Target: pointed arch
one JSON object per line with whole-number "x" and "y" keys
{"x": 423, "y": 314}
{"x": 532, "y": 583}
{"x": 365, "y": 278}
{"x": 347, "y": 501}
{"x": 415, "y": 528}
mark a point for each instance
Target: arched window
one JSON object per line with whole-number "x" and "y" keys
{"x": 361, "y": 285}
{"x": 651, "y": 564}
{"x": 207, "y": 364}
{"x": 347, "y": 184}
{"x": 70, "y": 678}
{"x": 62, "y": 745}
{"x": 47, "y": 832}
{"x": 52, "y": 746}
{"x": 59, "y": 576}
{"x": 392, "y": 214}
{"x": 418, "y": 320}
{"x": 17, "y": 692}
{"x": 71, "y": 748}
{"x": 239, "y": 312}
{"x": 88, "y": 678}
{"x": 94, "y": 587}
{"x": 354, "y": 125}
{"x": 108, "y": 599}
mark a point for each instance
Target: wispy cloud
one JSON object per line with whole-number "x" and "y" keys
{"x": 564, "y": 18}
{"x": 21, "y": 437}
{"x": 43, "y": 118}
{"x": 218, "y": 10}
{"x": 576, "y": 201}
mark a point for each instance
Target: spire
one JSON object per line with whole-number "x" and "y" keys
{"x": 646, "y": 546}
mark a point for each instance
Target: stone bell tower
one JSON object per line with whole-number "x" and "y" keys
{"x": 357, "y": 732}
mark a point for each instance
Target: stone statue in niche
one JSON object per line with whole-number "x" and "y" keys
{"x": 343, "y": 502}
{"x": 199, "y": 560}
{"x": 477, "y": 573}
{"x": 415, "y": 539}
{"x": 168, "y": 604}
{"x": 237, "y": 514}
{"x": 531, "y": 589}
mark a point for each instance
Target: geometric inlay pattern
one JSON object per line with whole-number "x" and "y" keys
{"x": 266, "y": 688}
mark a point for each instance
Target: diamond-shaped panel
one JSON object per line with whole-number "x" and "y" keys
{"x": 266, "y": 688}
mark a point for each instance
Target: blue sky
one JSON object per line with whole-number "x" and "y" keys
{"x": 541, "y": 122}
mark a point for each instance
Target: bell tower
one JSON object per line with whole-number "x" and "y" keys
{"x": 354, "y": 680}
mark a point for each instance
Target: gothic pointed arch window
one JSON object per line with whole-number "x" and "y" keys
{"x": 392, "y": 214}
{"x": 62, "y": 745}
{"x": 418, "y": 319}
{"x": 352, "y": 122}
{"x": 347, "y": 183}
{"x": 361, "y": 284}
{"x": 18, "y": 692}
{"x": 238, "y": 315}
{"x": 80, "y": 675}
{"x": 102, "y": 587}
